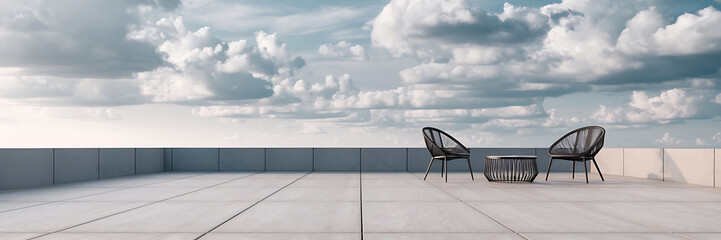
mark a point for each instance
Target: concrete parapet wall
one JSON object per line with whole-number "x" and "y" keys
{"x": 22, "y": 168}
{"x": 148, "y": 160}
{"x": 38, "y": 167}
{"x": 336, "y": 159}
{"x": 116, "y": 162}
{"x": 695, "y": 166}
{"x": 195, "y": 159}
{"x": 700, "y": 166}
{"x": 242, "y": 159}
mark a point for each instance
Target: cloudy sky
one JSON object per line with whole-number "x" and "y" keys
{"x": 358, "y": 73}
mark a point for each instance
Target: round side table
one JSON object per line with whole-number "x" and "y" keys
{"x": 511, "y": 168}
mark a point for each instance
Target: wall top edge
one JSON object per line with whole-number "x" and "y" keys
{"x": 51, "y": 148}
{"x": 211, "y": 147}
{"x": 319, "y": 147}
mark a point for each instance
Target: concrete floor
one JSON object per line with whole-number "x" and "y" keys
{"x": 399, "y": 205}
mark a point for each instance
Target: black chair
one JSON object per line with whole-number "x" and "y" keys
{"x": 444, "y": 147}
{"x": 580, "y": 145}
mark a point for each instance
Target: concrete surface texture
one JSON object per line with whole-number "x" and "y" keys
{"x": 359, "y": 205}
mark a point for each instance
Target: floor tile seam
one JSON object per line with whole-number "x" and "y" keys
{"x": 339, "y": 178}
{"x": 499, "y": 201}
{"x": 659, "y": 230}
{"x": 204, "y": 188}
{"x": 191, "y": 176}
{"x": 248, "y": 187}
{"x": 604, "y": 213}
{"x": 402, "y": 187}
{"x": 294, "y": 178}
{"x": 388, "y": 177}
{"x": 439, "y": 201}
{"x": 357, "y": 232}
{"x": 217, "y": 187}
{"x": 541, "y": 187}
{"x": 172, "y": 201}
{"x": 145, "y": 186}
{"x": 595, "y": 201}
{"x": 397, "y": 187}
{"x": 210, "y": 178}
{"x": 683, "y": 236}
{"x": 469, "y": 232}
{"x": 70, "y": 199}
{"x": 283, "y": 232}
{"x": 222, "y": 181}
{"x": 23, "y": 188}
{"x": 251, "y": 206}
{"x": 217, "y": 184}
{"x": 639, "y": 232}
{"x": 611, "y": 216}
{"x": 344, "y": 177}
{"x": 478, "y": 210}
{"x": 273, "y": 177}
{"x": 305, "y": 201}
{"x": 20, "y": 208}
{"x": 91, "y": 232}
{"x": 209, "y": 186}
{"x": 329, "y": 178}
{"x": 360, "y": 203}
{"x": 127, "y": 210}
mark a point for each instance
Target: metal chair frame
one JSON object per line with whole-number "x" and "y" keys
{"x": 588, "y": 154}
{"x": 439, "y": 152}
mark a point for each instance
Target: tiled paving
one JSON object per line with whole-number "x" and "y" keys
{"x": 352, "y": 205}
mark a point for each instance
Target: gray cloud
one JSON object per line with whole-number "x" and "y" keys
{"x": 151, "y": 60}
{"x": 75, "y": 38}
{"x": 666, "y": 68}
{"x": 485, "y": 29}
{"x": 232, "y": 86}
{"x": 556, "y": 50}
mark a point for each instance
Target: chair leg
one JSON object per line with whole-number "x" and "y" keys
{"x": 429, "y": 168}
{"x": 470, "y": 169}
{"x": 585, "y": 168}
{"x": 599, "y": 170}
{"x": 549, "y": 168}
{"x": 445, "y": 162}
{"x": 443, "y": 167}
{"x": 573, "y": 170}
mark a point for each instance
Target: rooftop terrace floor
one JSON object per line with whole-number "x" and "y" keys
{"x": 334, "y": 205}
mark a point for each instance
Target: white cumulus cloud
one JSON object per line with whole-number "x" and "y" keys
{"x": 343, "y": 50}
{"x": 717, "y": 138}
{"x": 670, "y": 105}
{"x": 668, "y": 140}
{"x": 646, "y": 33}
